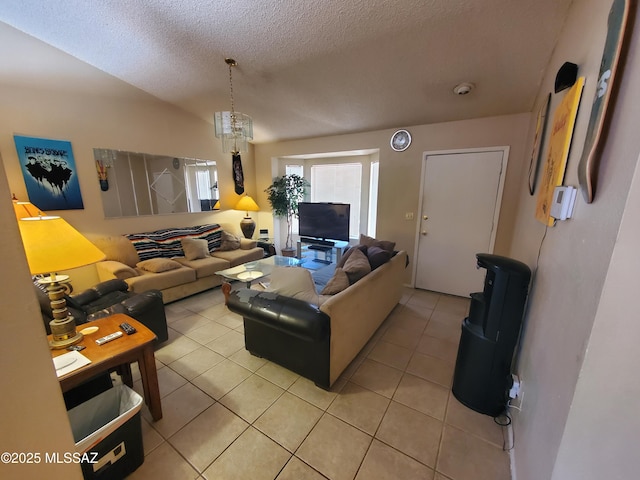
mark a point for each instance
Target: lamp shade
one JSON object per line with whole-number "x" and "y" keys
{"x": 25, "y": 209}
{"x": 51, "y": 245}
{"x": 247, "y": 204}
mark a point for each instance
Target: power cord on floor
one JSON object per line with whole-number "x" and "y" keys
{"x": 504, "y": 420}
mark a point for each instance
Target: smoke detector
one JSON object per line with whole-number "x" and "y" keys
{"x": 463, "y": 88}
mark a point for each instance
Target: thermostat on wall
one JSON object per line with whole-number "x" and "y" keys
{"x": 564, "y": 198}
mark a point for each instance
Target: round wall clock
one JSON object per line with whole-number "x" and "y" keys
{"x": 400, "y": 140}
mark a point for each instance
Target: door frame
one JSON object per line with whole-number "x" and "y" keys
{"x": 499, "y": 193}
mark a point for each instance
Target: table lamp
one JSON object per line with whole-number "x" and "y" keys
{"x": 24, "y": 209}
{"x": 247, "y": 225}
{"x": 51, "y": 245}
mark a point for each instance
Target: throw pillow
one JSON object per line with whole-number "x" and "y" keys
{"x": 338, "y": 283}
{"x": 295, "y": 282}
{"x": 229, "y": 242}
{"x": 158, "y": 265}
{"x": 372, "y": 242}
{"x": 377, "y": 256}
{"x": 357, "y": 266}
{"x": 117, "y": 248}
{"x": 194, "y": 248}
{"x": 345, "y": 256}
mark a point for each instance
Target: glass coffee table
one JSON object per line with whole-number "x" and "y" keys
{"x": 252, "y": 271}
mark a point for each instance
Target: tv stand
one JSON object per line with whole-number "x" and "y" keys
{"x": 326, "y": 246}
{"x": 317, "y": 241}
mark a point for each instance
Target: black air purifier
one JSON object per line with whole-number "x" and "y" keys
{"x": 482, "y": 375}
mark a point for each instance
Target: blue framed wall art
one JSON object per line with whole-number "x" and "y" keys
{"x": 49, "y": 172}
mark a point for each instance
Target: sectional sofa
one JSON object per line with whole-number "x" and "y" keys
{"x": 315, "y": 334}
{"x": 177, "y": 261}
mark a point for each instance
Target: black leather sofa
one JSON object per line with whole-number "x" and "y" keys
{"x": 287, "y": 331}
{"x": 107, "y": 298}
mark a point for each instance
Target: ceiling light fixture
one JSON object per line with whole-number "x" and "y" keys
{"x": 234, "y": 128}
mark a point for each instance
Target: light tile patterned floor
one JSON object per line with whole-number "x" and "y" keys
{"x": 391, "y": 416}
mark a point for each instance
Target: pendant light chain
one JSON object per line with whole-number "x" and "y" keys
{"x": 232, "y": 63}
{"x": 234, "y": 128}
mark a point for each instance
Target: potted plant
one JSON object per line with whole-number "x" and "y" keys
{"x": 284, "y": 194}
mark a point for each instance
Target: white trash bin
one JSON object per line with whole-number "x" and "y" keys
{"x": 108, "y": 433}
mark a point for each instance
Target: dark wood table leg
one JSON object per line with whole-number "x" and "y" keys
{"x": 124, "y": 371}
{"x": 149, "y": 374}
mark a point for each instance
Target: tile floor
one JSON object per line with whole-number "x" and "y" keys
{"x": 229, "y": 415}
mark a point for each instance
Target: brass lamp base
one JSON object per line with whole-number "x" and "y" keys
{"x": 63, "y": 325}
{"x": 63, "y": 332}
{"x": 59, "y": 344}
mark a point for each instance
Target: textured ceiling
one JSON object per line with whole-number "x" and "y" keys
{"x": 305, "y": 68}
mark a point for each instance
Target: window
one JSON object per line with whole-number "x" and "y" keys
{"x": 339, "y": 183}
{"x": 340, "y": 177}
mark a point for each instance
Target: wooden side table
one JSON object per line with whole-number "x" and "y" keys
{"x": 117, "y": 353}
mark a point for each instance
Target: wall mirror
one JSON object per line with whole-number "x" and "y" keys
{"x": 135, "y": 184}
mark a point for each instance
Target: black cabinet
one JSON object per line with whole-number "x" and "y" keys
{"x": 482, "y": 375}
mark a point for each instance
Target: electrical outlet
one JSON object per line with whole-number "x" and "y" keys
{"x": 516, "y": 393}
{"x": 515, "y": 386}
{"x": 408, "y": 216}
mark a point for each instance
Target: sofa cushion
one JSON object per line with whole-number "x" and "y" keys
{"x": 194, "y": 248}
{"x": 116, "y": 248}
{"x": 377, "y": 256}
{"x": 160, "y": 281}
{"x": 229, "y": 241}
{"x": 293, "y": 282}
{"x": 337, "y": 283}
{"x": 373, "y": 242}
{"x": 236, "y": 257}
{"x": 204, "y": 267}
{"x": 158, "y": 265}
{"x": 357, "y": 266}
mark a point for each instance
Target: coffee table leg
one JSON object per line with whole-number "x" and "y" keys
{"x": 149, "y": 374}
{"x": 226, "y": 290}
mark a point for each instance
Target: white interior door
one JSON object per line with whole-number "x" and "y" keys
{"x": 461, "y": 195}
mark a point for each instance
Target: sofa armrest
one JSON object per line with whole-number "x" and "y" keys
{"x": 94, "y": 293}
{"x": 146, "y": 307}
{"x": 109, "y": 269}
{"x": 137, "y": 304}
{"x": 247, "y": 243}
{"x": 285, "y": 314}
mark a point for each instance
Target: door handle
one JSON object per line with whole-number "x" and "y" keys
{"x": 424, "y": 232}
{"x": 424, "y": 217}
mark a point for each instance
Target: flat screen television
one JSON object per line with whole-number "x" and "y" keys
{"x": 326, "y": 221}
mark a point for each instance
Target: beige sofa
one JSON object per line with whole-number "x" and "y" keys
{"x": 157, "y": 261}
{"x": 319, "y": 342}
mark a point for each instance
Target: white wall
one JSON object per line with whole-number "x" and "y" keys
{"x": 400, "y": 172}
{"x": 566, "y": 291}
{"x": 601, "y": 435}
{"x": 93, "y": 110}
{"x": 34, "y": 418}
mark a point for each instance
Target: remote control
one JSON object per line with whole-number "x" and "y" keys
{"x": 127, "y": 328}
{"x": 108, "y": 338}
{"x": 77, "y": 348}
